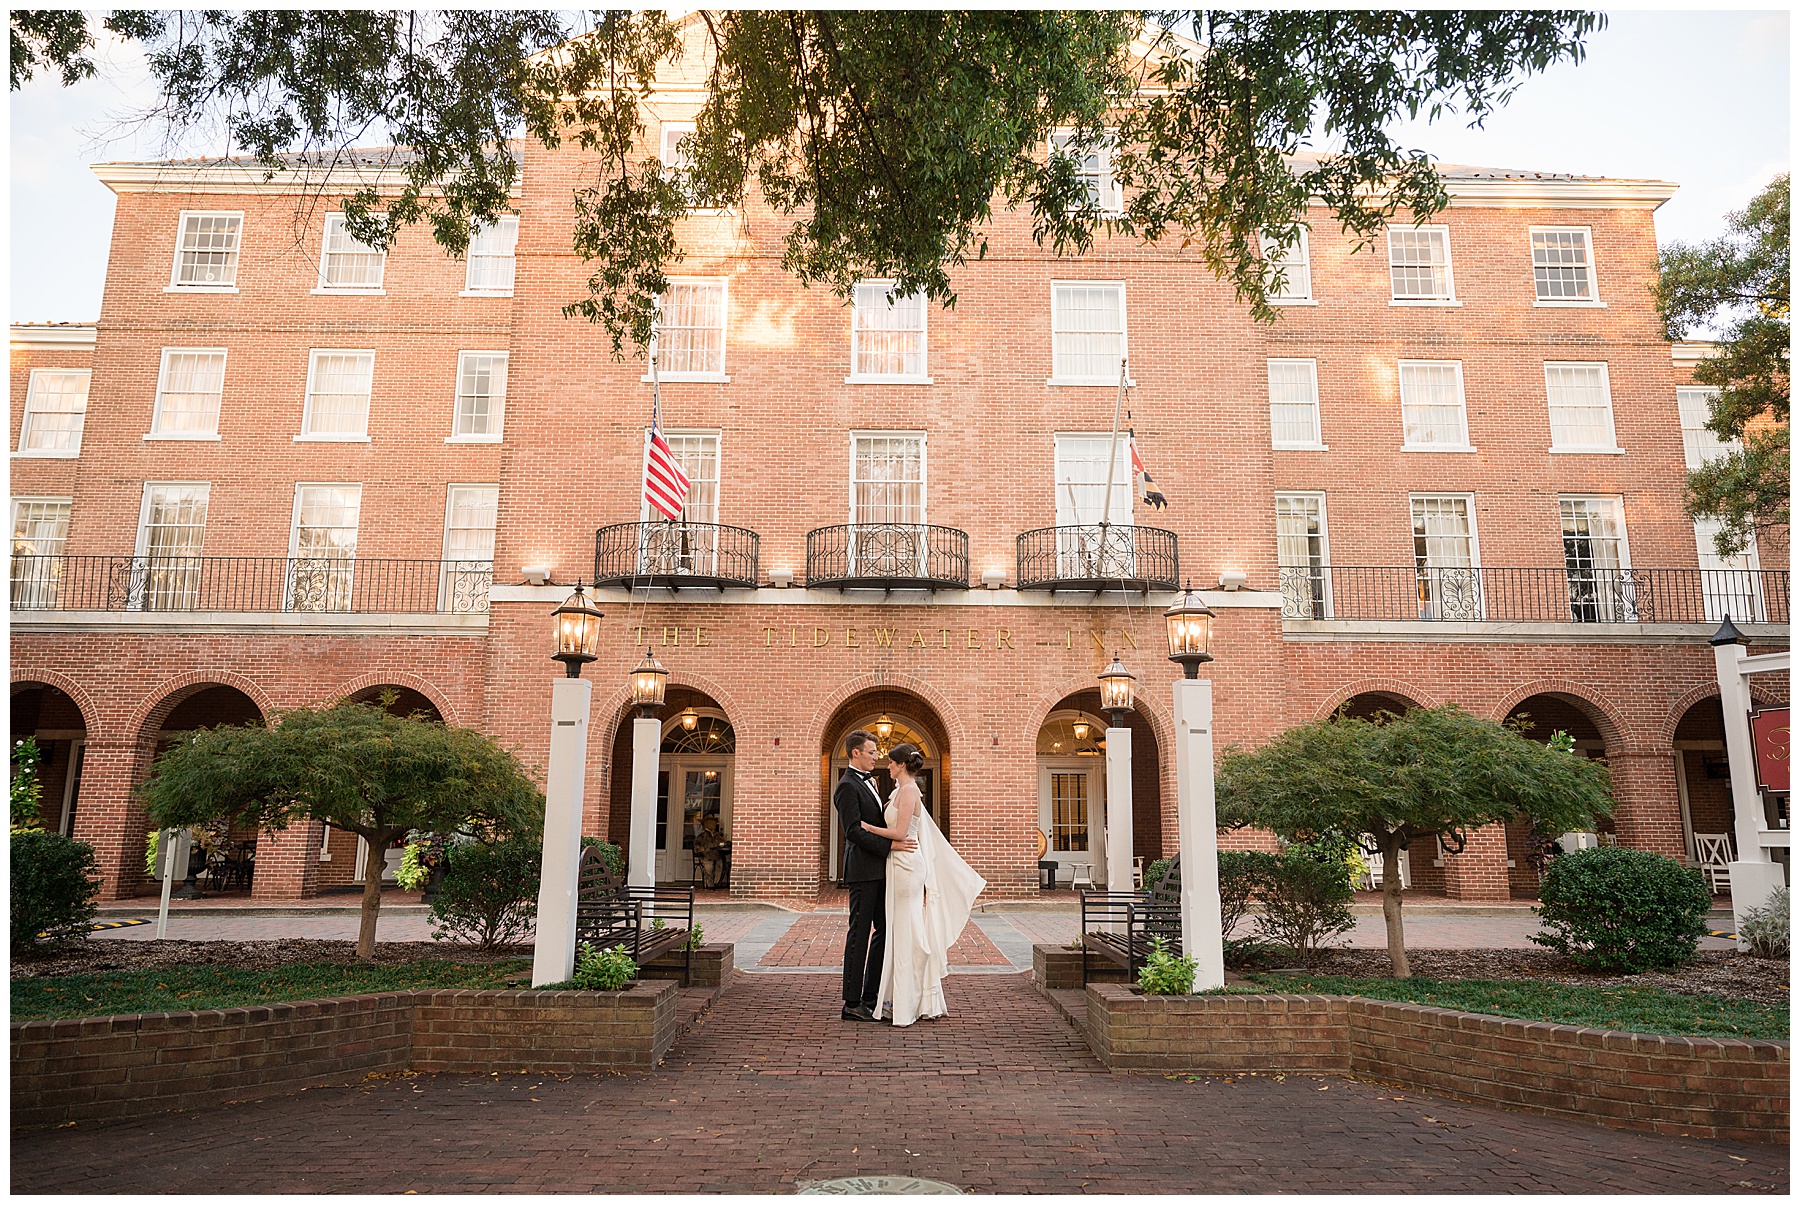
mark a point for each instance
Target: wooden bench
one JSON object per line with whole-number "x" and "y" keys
{"x": 609, "y": 913}
{"x": 1120, "y": 925}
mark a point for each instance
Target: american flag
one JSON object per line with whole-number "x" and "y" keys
{"x": 1147, "y": 490}
{"x": 665, "y": 485}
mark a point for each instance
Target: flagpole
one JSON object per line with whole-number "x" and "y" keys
{"x": 1112, "y": 449}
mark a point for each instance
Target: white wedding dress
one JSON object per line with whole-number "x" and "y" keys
{"x": 929, "y": 894}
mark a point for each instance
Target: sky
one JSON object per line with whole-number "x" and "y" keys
{"x": 1697, "y": 98}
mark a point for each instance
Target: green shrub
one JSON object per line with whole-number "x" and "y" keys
{"x": 1765, "y": 929}
{"x": 696, "y": 936}
{"x": 1163, "y": 974}
{"x": 27, "y": 787}
{"x": 1617, "y": 909}
{"x": 615, "y": 857}
{"x": 1153, "y": 873}
{"x": 603, "y": 970}
{"x": 54, "y": 882}
{"x": 1306, "y": 896}
{"x": 489, "y": 893}
{"x": 1242, "y": 873}
{"x": 412, "y": 871}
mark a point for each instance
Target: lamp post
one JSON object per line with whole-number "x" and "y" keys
{"x": 571, "y": 699}
{"x": 1190, "y": 639}
{"x": 649, "y": 682}
{"x": 1753, "y": 873}
{"x": 1118, "y": 693}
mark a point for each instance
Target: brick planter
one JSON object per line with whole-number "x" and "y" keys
{"x": 1056, "y": 967}
{"x": 712, "y": 966}
{"x": 1700, "y": 1087}
{"x": 104, "y": 1067}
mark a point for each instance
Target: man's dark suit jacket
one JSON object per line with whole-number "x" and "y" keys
{"x": 865, "y": 854}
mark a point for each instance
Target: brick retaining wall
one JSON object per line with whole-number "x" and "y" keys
{"x": 1699, "y": 1087}
{"x": 96, "y": 1068}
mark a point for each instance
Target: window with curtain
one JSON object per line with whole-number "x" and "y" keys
{"x": 690, "y": 544}
{"x": 492, "y": 262}
{"x": 55, "y": 412}
{"x": 171, "y": 534}
{"x": 1449, "y": 585}
{"x": 1300, "y": 553}
{"x": 1699, "y": 444}
{"x": 887, "y": 334}
{"x": 1083, "y": 550}
{"x": 887, "y": 509}
{"x": 1432, "y": 406}
{"x": 1294, "y": 403}
{"x": 347, "y": 264}
{"x": 468, "y": 569}
{"x": 1296, "y": 268}
{"x": 690, "y": 329}
{"x": 206, "y": 254}
{"x": 1594, "y": 556}
{"x": 1581, "y": 417}
{"x": 1087, "y": 332}
{"x": 337, "y": 394}
{"x": 188, "y": 391}
{"x": 324, "y": 542}
{"x": 40, "y": 534}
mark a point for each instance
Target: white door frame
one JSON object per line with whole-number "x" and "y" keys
{"x": 675, "y": 864}
{"x": 1095, "y": 769}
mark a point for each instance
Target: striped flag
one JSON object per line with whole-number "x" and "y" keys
{"x": 1147, "y": 490}
{"x": 665, "y": 485}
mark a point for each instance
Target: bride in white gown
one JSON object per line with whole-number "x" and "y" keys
{"x": 929, "y": 894}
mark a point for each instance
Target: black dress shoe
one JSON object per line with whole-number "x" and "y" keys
{"x": 857, "y": 1012}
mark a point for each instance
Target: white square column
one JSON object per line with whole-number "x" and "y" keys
{"x": 1198, "y": 819}
{"x": 646, "y": 754}
{"x": 1754, "y": 874}
{"x": 1118, "y": 809}
{"x": 553, "y": 956}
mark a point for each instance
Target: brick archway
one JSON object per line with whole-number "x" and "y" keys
{"x": 955, "y": 734}
{"x": 616, "y": 708}
{"x": 1158, "y": 720}
{"x": 1604, "y": 716}
{"x": 84, "y": 702}
{"x": 429, "y": 689}
{"x": 1405, "y": 691}
{"x": 169, "y": 694}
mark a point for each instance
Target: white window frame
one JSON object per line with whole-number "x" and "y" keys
{"x": 450, "y": 509}
{"x": 1699, "y": 445}
{"x": 1124, "y": 333}
{"x": 722, "y": 376}
{"x": 141, "y": 586}
{"x": 27, "y": 413}
{"x": 1592, "y": 301}
{"x": 924, "y": 439}
{"x": 48, "y": 584}
{"x": 378, "y": 289}
{"x": 496, "y": 418}
{"x": 1449, "y": 299}
{"x": 699, "y": 554}
{"x": 1614, "y": 592}
{"x": 1111, "y": 201}
{"x": 1462, "y": 394}
{"x": 176, "y": 284}
{"x": 1316, "y": 445}
{"x": 312, "y": 365}
{"x": 1611, "y": 413}
{"x": 899, "y": 378}
{"x": 1303, "y": 249}
{"x": 716, "y": 434}
{"x": 469, "y": 290}
{"x": 1474, "y": 540}
{"x": 666, "y": 151}
{"x": 289, "y": 602}
{"x": 162, "y": 387}
{"x": 1317, "y": 496}
{"x": 1717, "y": 596}
{"x": 448, "y": 575}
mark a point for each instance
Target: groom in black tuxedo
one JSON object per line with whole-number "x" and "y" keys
{"x": 858, "y": 802}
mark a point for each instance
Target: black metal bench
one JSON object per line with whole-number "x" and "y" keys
{"x": 609, "y": 912}
{"x": 1120, "y": 925}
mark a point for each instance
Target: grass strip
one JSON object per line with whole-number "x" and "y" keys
{"x": 1633, "y": 1009}
{"x": 177, "y": 989}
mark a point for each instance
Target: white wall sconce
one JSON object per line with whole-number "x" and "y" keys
{"x": 781, "y": 579}
{"x": 537, "y": 575}
{"x": 1233, "y": 579}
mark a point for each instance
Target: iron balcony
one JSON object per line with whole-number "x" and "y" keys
{"x": 674, "y": 554}
{"x": 1100, "y": 556}
{"x": 893, "y": 556}
{"x": 246, "y": 583}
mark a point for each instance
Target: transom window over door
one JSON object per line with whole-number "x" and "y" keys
{"x": 346, "y": 264}
{"x": 171, "y": 533}
{"x": 1085, "y": 551}
{"x": 1449, "y": 581}
{"x": 1087, "y": 333}
{"x": 206, "y": 251}
{"x": 688, "y": 545}
{"x": 55, "y": 412}
{"x": 1581, "y": 417}
{"x": 887, "y": 505}
{"x": 491, "y": 258}
{"x": 324, "y": 546}
{"x": 1601, "y": 589}
{"x": 1432, "y": 406}
{"x": 1301, "y": 553}
{"x": 337, "y": 394}
{"x": 40, "y": 534}
{"x": 468, "y": 571}
{"x": 1419, "y": 263}
{"x": 188, "y": 394}
{"x": 1561, "y": 266}
{"x": 1294, "y": 403}
{"x": 690, "y": 330}
{"x": 480, "y": 395}
{"x": 887, "y": 334}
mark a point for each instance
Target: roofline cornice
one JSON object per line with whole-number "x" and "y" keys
{"x": 71, "y": 335}
{"x": 1559, "y": 194}
{"x": 1689, "y": 352}
{"x": 252, "y": 178}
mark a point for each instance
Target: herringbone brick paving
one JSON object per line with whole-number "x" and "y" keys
{"x": 770, "y": 1091}
{"x": 818, "y": 941}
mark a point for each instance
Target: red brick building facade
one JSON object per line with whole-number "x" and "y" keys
{"x": 1451, "y": 472}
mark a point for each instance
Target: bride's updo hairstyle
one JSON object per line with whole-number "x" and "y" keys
{"x": 908, "y": 756}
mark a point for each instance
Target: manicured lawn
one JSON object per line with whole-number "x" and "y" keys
{"x": 174, "y": 989}
{"x": 1637, "y": 1009}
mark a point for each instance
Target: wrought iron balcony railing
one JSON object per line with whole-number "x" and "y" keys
{"x": 1587, "y": 595}
{"x": 667, "y": 553}
{"x": 246, "y": 583}
{"x": 1102, "y": 556}
{"x": 892, "y": 555}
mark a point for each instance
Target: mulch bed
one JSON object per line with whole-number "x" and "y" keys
{"x": 94, "y": 957}
{"x": 1712, "y": 972}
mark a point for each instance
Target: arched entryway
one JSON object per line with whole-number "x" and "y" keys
{"x": 402, "y": 701}
{"x": 1372, "y": 703}
{"x": 344, "y": 856}
{"x": 1544, "y": 715}
{"x": 696, "y": 774}
{"x": 1421, "y": 863}
{"x": 894, "y": 717}
{"x": 209, "y": 705}
{"x": 1071, "y": 787}
{"x": 49, "y": 716}
{"x": 1703, "y": 779}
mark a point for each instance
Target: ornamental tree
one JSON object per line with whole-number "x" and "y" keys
{"x": 354, "y": 766}
{"x": 883, "y": 137}
{"x": 1428, "y": 773}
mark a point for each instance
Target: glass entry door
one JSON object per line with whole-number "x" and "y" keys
{"x": 703, "y": 790}
{"x": 1072, "y": 813}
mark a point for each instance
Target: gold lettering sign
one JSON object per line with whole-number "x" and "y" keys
{"x": 974, "y": 639}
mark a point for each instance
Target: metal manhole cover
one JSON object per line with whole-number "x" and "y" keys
{"x": 856, "y": 1186}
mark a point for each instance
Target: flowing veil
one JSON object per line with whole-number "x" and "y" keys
{"x": 951, "y": 886}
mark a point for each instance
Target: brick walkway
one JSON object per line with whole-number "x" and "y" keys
{"x": 818, "y": 941}
{"x": 770, "y": 1091}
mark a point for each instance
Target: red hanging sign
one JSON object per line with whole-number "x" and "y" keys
{"x": 1769, "y": 737}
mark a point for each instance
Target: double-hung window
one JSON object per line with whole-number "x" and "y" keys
{"x": 345, "y": 264}
{"x": 1086, "y": 550}
{"x": 1445, "y": 563}
{"x": 206, "y": 253}
{"x": 1601, "y": 589}
{"x": 887, "y": 504}
{"x": 55, "y": 410}
{"x": 1699, "y": 443}
{"x": 1581, "y": 417}
{"x": 1432, "y": 408}
{"x": 1562, "y": 265}
{"x": 1294, "y": 404}
{"x": 468, "y": 568}
{"x": 688, "y": 546}
{"x": 887, "y": 335}
{"x": 1419, "y": 265}
{"x": 1087, "y": 325}
{"x": 337, "y": 395}
{"x": 491, "y": 259}
{"x": 171, "y": 533}
{"x": 1303, "y": 556}
{"x": 40, "y": 534}
{"x": 1295, "y": 266}
{"x": 690, "y": 330}
{"x": 323, "y": 548}
{"x": 1093, "y": 168}
{"x": 480, "y": 397}
{"x": 677, "y": 159}
{"x": 1728, "y": 585}
{"x": 188, "y": 390}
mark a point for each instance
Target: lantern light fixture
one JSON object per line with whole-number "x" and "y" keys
{"x": 1118, "y": 692}
{"x": 577, "y": 631}
{"x": 884, "y": 728}
{"x": 648, "y": 683}
{"x": 1190, "y": 632}
{"x": 1081, "y": 730}
{"x": 689, "y": 719}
